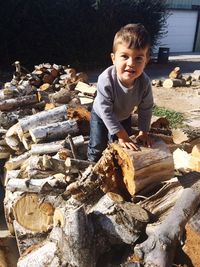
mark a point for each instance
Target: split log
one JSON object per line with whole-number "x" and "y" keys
{"x": 79, "y": 233}
{"x": 76, "y": 165}
{"x": 41, "y": 255}
{"x": 160, "y": 203}
{"x": 42, "y": 118}
{"x": 41, "y": 167}
{"x": 82, "y": 115}
{"x": 15, "y": 162}
{"x": 12, "y": 138}
{"x": 43, "y": 186}
{"x": 26, "y": 238}
{"x": 54, "y": 131}
{"x": 159, "y": 249}
{"x": 5, "y": 152}
{"x": 63, "y": 96}
{"x": 187, "y": 161}
{"x": 159, "y": 122}
{"x": 86, "y": 89}
{"x": 13, "y": 103}
{"x": 156, "y": 122}
{"x": 109, "y": 211}
{"x": 170, "y": 83}
{"x": 186, "y": 135}
{"x": 196, "y": 75}
{"x": 124, "y": 169}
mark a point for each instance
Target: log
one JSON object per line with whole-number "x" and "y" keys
{"x": 43, "y": 186}
{"x": 12, "y": 138}
{"x": 159, "y": 249}
{"x": 130, "y": 171}
{"x": 13, "y": 103}
{"x": 15, "y": 162}
{"x": 170, "y": 83}
{"x": 26, "y": 238}
{"x": 54, "y": 131}
{"x": 107, "y": 214}
{"x": 41, "y": 255}
{"x": 79, "y": 234}
{"x": 63, "y": 96}
{"x": 32, "y": 213}
{"x": 47, "y": 148}
{"x": 196, "y": 74}
{"x": 76, "y": 165}
{"x": 42, "y": 118}
{"x": 160, "y": 203}
{"x": 86, "y": 89}
{"x": 5, "y": 152}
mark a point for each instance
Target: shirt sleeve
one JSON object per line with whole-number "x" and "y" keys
{"x": 145, "y": 109}
{"x": 104, "y": 104}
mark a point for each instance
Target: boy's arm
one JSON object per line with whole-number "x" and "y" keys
{"x": 145, "y": 110}
{"x": 104, "y": 105}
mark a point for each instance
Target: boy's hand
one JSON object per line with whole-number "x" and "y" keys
{"x": 125, "y": 141}
{"x": 144, "y": 138}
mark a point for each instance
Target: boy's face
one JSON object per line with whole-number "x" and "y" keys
{"x": 129, "y": 63}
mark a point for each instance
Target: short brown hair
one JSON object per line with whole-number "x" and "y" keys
{"x": 134, "y": 35}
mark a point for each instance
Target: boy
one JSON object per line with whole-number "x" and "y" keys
{"x": 120, "y": 88}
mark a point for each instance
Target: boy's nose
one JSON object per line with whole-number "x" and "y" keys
{"x": 131, "y": 62}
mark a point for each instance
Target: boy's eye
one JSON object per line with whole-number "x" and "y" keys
{"x": 139, "y": 59}
{"x": 124, "y": 56}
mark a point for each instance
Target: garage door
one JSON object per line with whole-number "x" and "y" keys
{"x": 181, "y": 31}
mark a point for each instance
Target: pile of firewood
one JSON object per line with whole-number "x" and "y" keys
{"x": 176, "y": 79}
{"x": 66, "y": 211}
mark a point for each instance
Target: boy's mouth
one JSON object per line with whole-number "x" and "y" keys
{"x": 130, "y": 71}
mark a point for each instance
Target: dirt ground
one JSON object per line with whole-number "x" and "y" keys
{"x": 182, "y": 99}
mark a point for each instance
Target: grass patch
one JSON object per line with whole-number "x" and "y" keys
{"x": 175, "y": 118}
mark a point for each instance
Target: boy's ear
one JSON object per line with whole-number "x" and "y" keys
{"x": 112, "y": 57}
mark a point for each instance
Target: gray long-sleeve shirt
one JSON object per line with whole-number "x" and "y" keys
{"x": 114, "y": 102}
